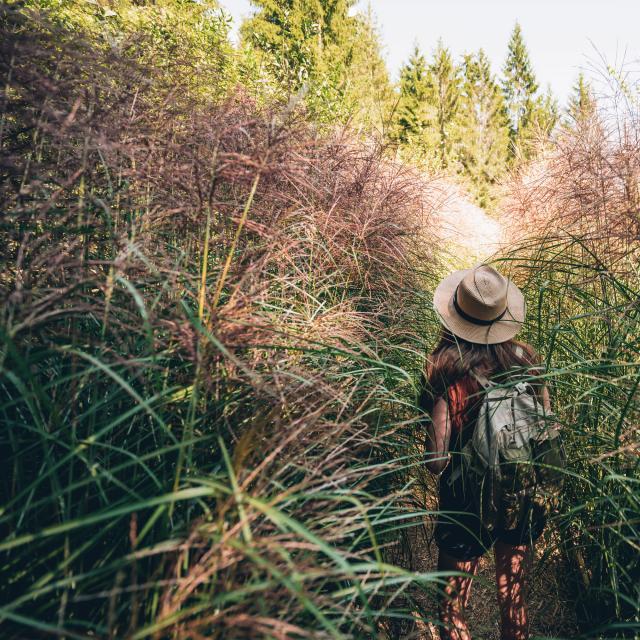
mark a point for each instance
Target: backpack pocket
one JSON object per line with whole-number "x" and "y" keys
{"x": 549, "y": 460}
{"x": 517, "y": 476}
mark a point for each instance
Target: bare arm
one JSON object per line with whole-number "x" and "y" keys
{"x": 546, "y": 400}
{"x": 438, "y": 434}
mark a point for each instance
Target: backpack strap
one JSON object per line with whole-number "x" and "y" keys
{"x": 484, "y": 382}
{"x": 455, "y": 475}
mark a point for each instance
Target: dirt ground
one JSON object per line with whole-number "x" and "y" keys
{"x": 469, "y": 234}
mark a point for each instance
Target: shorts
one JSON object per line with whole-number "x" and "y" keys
{"x": 459, "y": 531}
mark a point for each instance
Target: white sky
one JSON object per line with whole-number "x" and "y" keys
{"x": 563, "y": 36}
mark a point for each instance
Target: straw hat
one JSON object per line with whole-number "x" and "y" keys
{"x": 480, "y": 305}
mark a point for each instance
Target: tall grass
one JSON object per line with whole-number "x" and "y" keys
{"x": 578, "y": 258}
{"x": 205, "y": 343}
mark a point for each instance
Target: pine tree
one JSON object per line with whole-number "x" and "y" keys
{"x": 412, "y": 120}
{"x": 335, "y": 58}
{"x": 484, "y": 126}
{"x": 444, "y": 94}
{"x": 306, "y": 43}
{"x": 582, "y": 103}
{"x": 368, "y": 93}
{"x": 546, "y": 113}
{"x": 542, "y": 119}
{"x": 290, "y": 32}
{"x": 519, "y": 86}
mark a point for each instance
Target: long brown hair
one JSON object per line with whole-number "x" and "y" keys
{"x": 448, "y": 371}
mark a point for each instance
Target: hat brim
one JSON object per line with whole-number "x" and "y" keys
{"x": 500, "y": 331}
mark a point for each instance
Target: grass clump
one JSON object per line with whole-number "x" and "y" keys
{"x": 205, "y": 335}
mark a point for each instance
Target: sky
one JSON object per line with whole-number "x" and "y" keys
{"x": 564, "y": 37}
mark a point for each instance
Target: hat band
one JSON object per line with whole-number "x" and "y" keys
{"x": 468, "y": 318}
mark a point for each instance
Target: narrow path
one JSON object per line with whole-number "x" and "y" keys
{"x": 470, "y": 236}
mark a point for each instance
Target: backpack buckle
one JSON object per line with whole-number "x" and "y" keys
{"x": 521, "y": 387}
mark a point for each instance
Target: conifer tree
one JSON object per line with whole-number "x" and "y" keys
{"x": 335, "y": 57}
{"x": 444, "y": 95}
{"x": 519, "y": 86}
{"x": 412, "y": 120}
{"x": 582, "y": 104}
{"x": 368, "y": 92}
{"x": 546, "y": 113}
{"x": 290, "y": 32}
{"x": 484, "y": 126}
{"x": 306, "y": 43}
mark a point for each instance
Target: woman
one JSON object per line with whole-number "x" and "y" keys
{"x": 481, "y": 312}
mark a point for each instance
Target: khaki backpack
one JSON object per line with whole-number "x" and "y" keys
{"x": 514, "y": 458}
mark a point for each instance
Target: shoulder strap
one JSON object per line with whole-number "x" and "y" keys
{"x": 484, "y": 382}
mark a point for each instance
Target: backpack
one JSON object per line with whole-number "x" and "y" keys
{"x": 514, "y": 459}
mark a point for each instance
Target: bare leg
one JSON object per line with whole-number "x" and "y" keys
{"x": 455, "y": 597}
{"x": 512, "y": 571}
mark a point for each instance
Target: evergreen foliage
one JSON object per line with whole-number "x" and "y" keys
{"x": 444, "y": 95}
{"x": 413, "y": 120}
{"x": 368, "y": 92}
{"x": 519, "y": 85}
{"x": 303, "y": 42}
{"x": 484, "y": 130}
{"x": 582, "y": 103}
{"x": 532, "y": 116}
{"x": 316, "y": 49}
{"x": 546, "y": 113}
{"x": 304, "y": 37}
{"x": 460, "y": 118}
